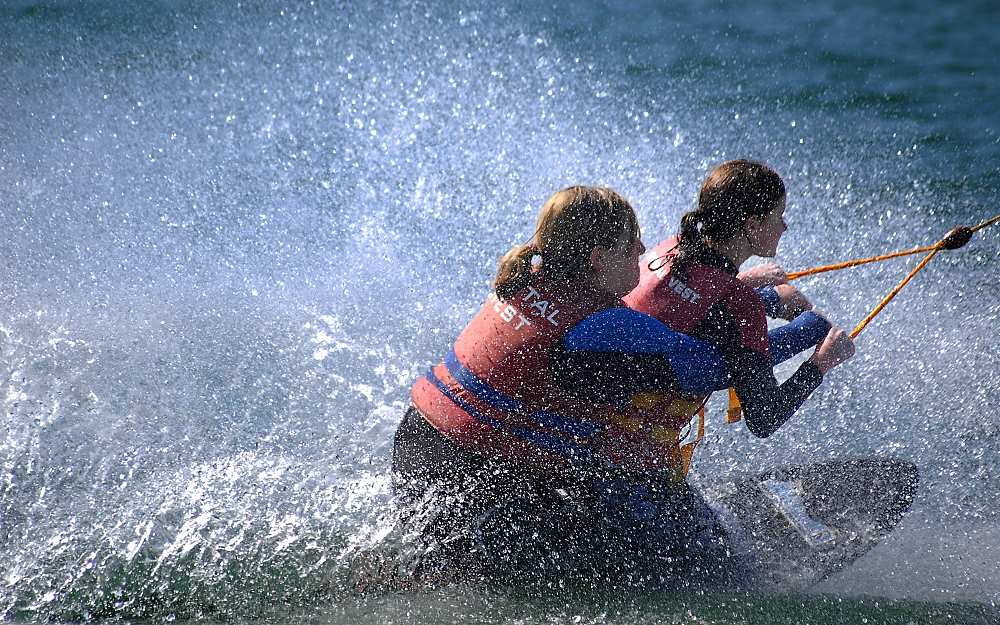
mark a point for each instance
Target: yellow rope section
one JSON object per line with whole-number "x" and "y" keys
{"x": 986, "y": 224}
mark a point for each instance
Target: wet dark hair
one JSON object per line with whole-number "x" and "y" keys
{"x": 732, "y": 193}
{"x": 571, "y": 223}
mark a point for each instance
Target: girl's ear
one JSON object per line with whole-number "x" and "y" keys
{"x": 753, "y": 224}
{"x": 597, "y": 258}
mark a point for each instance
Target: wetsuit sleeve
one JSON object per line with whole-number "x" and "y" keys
{"x": 738, "y": 327}
{"x": 767, "y": 405}
{"x": 803, "y": 332}
{"x": 616, "y": 353}
{"x": 771, "y": 299}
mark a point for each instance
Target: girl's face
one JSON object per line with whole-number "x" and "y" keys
{"x": 616, "y": 270}
{"x": 765, "y": 232}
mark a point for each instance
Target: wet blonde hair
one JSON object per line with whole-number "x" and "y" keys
{"x": 571, "y": 223}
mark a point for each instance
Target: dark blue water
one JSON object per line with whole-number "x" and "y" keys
{"x": 233, "y": 233}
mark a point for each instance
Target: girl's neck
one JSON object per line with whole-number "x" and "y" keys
{"x": 735, "y": 250}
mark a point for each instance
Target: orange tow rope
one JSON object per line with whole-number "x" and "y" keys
{"x": 854, "y": 263}
{"x": 952, "y": 241}
{"x": 955, "y": 239}
{"x": 888, "y": 298}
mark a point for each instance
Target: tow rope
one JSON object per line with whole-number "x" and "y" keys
{"x": 954, "y": 239}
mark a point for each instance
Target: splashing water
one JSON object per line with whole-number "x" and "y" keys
{"x": 234, "y": 235}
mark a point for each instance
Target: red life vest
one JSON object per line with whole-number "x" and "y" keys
{"x": 683, "y": 304}
{"x": 495, "y": 393}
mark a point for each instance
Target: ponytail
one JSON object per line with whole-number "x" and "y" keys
{"x": 514, "y": 271}
{"x": 689, "y": 238}
{"x": 690, "y": 241}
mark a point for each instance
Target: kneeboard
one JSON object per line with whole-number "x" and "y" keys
{"x": 797, "y": 525}
{"x": 789, "y": 527}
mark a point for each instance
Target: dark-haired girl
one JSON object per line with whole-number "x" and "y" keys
{"x": 693, "y": 285}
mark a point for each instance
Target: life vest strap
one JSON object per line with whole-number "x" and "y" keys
{"x": 541, "y": 440}
{"x": 577, "y": 428}
{"x": 687, "y": 450}
{"x": 735, "y": 411}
